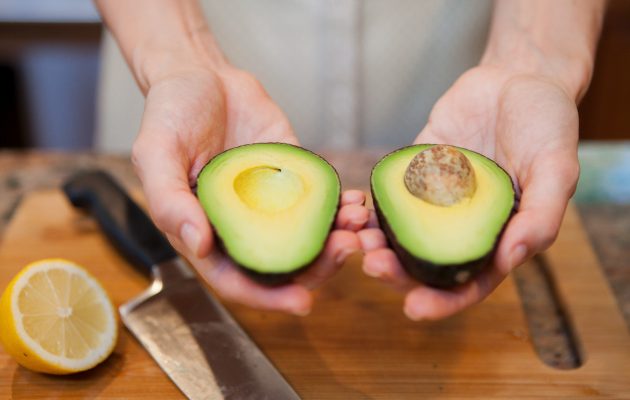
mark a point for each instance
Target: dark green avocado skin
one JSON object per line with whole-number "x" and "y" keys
{"x": 444, "y": 276}
{"x": 277, "y": 279}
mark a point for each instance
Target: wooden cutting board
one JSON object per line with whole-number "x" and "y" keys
{"x": 356, "y": 344}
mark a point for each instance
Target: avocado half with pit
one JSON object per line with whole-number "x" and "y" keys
{"x": 443, "y": 210}
{"x": 272, "y": 206}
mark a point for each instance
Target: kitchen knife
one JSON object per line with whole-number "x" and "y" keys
{"x": 185, "y": 329}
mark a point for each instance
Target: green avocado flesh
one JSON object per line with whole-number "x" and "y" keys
{"x": 271, "y": 204}
{"x": 432, "y": 235}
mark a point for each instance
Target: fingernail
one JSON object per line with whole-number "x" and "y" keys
{"x": 296, "y": 305}
{"x": 353, "y": 195}
{"x": 518, "y": 256}
{"x": 374, "y": 273}
{"x": 359, "y": 222}
{"x": 191, "y": 237}
{"x": 354, "y": 224}
{"x": 343, "y": 255}
{"x": 411, "y": 314}
{"x": 301, "y": 312}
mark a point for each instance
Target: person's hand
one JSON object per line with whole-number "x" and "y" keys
{"x": 191, "y": 115}
{"x": 529, "y": 125}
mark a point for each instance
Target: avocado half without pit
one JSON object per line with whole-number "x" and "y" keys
{"x": 443, "y": 210}
{"x": 271, "y": 205}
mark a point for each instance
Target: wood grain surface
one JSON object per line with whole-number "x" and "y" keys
{"x": 607, "y": 224}
{"x": 356, "y": 344}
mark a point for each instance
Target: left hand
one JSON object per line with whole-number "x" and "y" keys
{"x": 529, "y": 125}
{"x": 191, "y": 113}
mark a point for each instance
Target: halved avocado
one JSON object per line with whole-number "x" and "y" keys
{"x": 272, "y": 205}
{"x": 442, "y": 243}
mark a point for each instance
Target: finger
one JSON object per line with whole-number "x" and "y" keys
{"x": 372, "y": 239}
{"x": 352, "y": 197}
{"x": 545, "y": 195}
{"x": 427, "y": 303}
{"x": 340, "y": 245}
{"x": 179, "y": 246}
{"x": 233, "y": 285}
{"x": 352, "y": 217}
{"x": 384, "y": 265}
{"x": 173, "y": 207}
{"x": 429, "y": 135}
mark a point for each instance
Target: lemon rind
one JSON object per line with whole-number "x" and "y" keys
{"x": 29, "y": 352}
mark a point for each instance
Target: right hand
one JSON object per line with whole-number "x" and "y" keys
{"x": 190, "y": 115}
{"x": 529, "y": 124}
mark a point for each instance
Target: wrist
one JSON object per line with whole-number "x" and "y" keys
{"x": 571, "y": 71}
{"x": 155, "y": 60}
{"x": 554, "y": 40}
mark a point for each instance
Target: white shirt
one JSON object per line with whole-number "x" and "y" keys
{"x": 347, "y": 73}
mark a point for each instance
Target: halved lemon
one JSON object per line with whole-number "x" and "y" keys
{"x": 56, "y": 318}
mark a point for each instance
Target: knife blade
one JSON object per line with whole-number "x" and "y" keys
{"x": 191, "y": 336}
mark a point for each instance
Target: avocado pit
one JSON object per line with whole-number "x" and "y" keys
{"x": 441, "y": 175}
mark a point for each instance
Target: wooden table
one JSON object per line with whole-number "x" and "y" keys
{"x": 608, "y": 227}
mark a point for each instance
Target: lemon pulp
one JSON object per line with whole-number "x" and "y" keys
{"x": 57, "y": 318}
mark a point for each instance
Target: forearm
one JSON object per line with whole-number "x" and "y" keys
{"x": 556, "y": 39}
{"x": 157, "y": 37}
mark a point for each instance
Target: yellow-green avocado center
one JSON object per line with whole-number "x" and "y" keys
{"x": 464, "y": 231}
{"x": 269, "y": 189}
{"x": 271, "y": 204}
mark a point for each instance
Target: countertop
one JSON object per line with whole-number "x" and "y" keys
{"x": 603, "y": 199}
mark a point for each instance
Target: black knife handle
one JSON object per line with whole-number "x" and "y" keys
{"x": 127, "y": 227}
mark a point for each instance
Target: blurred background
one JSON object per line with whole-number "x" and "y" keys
{"x": 49, "y": 73}
{"x": 49, "y": 65}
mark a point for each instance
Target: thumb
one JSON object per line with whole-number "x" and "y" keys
{"x": 546, "y": 190}
{"x": 163, "y": 170}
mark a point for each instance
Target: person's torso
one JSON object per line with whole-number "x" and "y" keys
{"x": 347, "y": 73}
